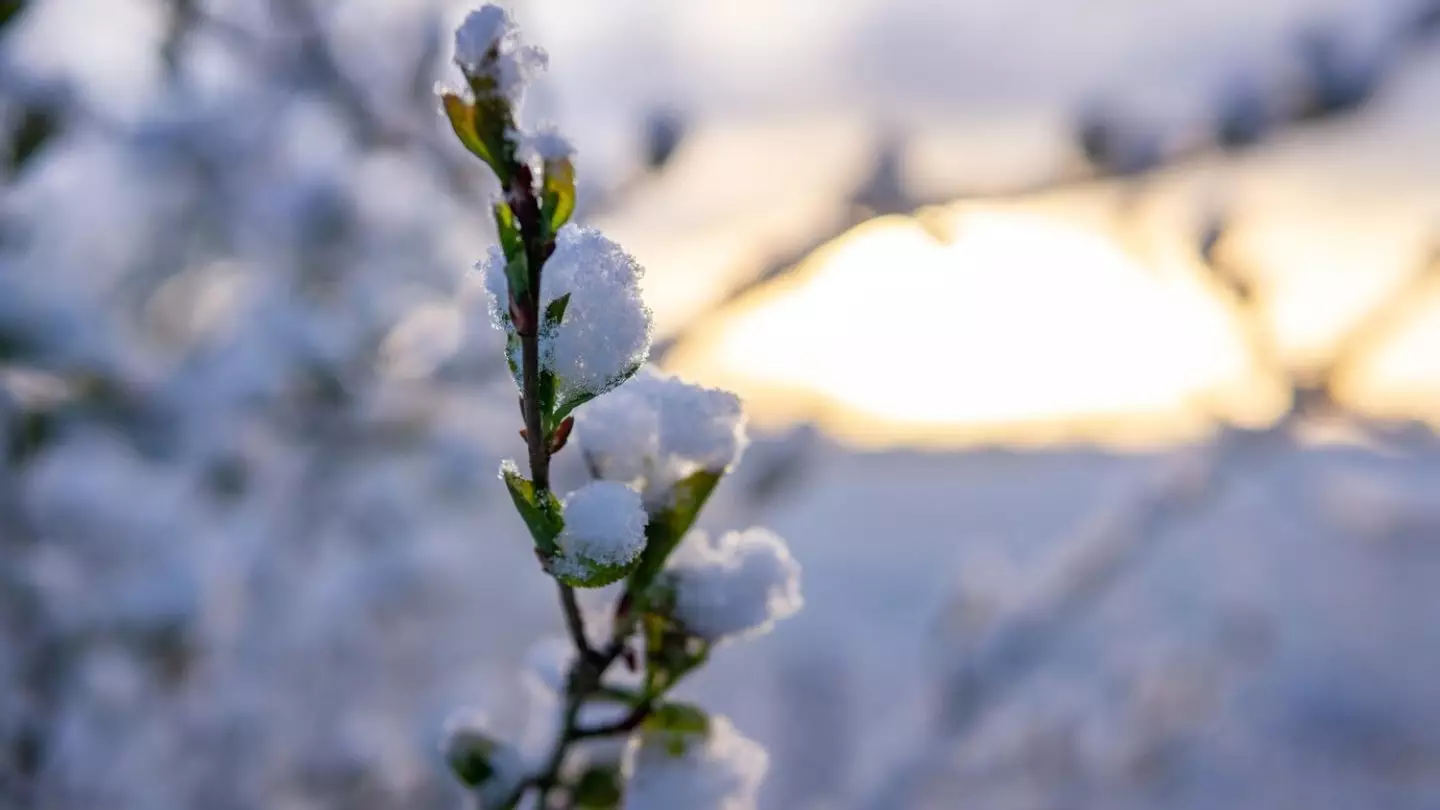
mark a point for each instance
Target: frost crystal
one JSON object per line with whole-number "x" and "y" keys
{"x": 488, "y": 46}
{"x": 722, "y": 771}
{"x": 656, "y": 430}
{"x": 605, "y": 332}
{"x": 604, "y": 533}
{"x": 738, "y": 585}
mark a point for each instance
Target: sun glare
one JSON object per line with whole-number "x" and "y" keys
{"x": 1023, "y": 326}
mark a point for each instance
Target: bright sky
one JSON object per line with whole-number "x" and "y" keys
{"x": 1030, "y": 325}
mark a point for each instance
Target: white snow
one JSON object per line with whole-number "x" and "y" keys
{"x": 488, "y": 43}
{"x": 722, "y": 771}
{"x": 483, "y": 30}
{"x": 606, "y": 329}
{"x": 366, "y": 572}
{"x": 737, "y": 585}
{"x": 547, "y": 663}
{"x": 545, "y": 144}
{"x": 497, "y": 287}
{"x": 604, "y": 528}
{"x": 657, "y": 429}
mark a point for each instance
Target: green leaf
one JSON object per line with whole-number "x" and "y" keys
{"x": 10, "y": 11}
{"x": 668, "y": 526}
{"x": 472, "y": 768}
{"x": 517, "y": 275}
{"x": 462, "y": 119}
{"x": 469, "y": 754}
{"x": 684, "y": 718}
{"x": 555, "y": 311}
{"x": 545, "y": 392}
{"x": 37, "y": 125}
{"x": 596, "y": 575}
{"x": 677, "y": 725}
{"x": 29, "y": 434}
{"x": 541, "y": 511}
{"x": 549, "y": 387}
{"x": 600, "y": 787}
{"x": 570, "y": 403}
{"x": 483, "y": 126}
{"x": 513, "y": 349}
{"x": 511, "y": 241}
{"x": 557, "y": 194}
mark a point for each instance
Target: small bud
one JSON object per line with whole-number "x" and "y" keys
{"x": 469, "y": 758}
{"x": 481, "y": 762}
{"x": 561, "y": 435}
{"x": 520, "y": 316}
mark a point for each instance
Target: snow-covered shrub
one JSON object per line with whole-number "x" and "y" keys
{"x": 244, "y": 450}
{"x": 576, "y": 329}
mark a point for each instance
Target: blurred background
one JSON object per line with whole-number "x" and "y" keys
{"x": 1092, "y": 352}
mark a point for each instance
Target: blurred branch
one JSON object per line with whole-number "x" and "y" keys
{"x": 316, "y": 65}
{"x": 1366, "y": 337}
{"x": 319, "y": 67}
{"x": 1118, "y": 540}
{"x": 1330, "y": 89}
{"x": 1316, "y": 390}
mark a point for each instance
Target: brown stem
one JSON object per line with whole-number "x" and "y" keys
{"x": 624, "y": 725}
{"x": 575, "y": 623}
{"x": 534, "y": 432}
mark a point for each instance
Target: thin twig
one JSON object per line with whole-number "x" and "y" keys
{"x": 625, "y": 725}
{"x": 575, "y": 622}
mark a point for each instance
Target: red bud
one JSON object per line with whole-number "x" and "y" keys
{"x": 561, "y": 435}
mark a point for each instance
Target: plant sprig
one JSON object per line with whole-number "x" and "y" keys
{"x": 576, "y": 329}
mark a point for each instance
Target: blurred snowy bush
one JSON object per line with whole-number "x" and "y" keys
{"x": 250, "y": 418}
{"x": 246, "y": 435}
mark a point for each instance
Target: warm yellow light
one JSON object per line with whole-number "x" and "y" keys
{"x": 1022, "y": 321}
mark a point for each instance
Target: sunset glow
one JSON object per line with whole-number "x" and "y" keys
{"x": 1023, "y": 325}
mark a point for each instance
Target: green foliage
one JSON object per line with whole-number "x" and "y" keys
{"x": 670, "y": 652}
{"x": 28, "y": 434}
{"x": 600, "y": 787}
{"x": 567, "y": 405}
{"x": 555, "y": 312}
{"x": 37, "y": 125}
{"x": 9, "y": 12}
{"x": 541, "y": 510}
{"x": 462, "y": 119}
{"x": 473, "y": 768}
{"x": 594, "y": 575}
{"x": 668, "y": 525}
{"x": 470, "y": 755}
{"x": 513, "y": 245}
{"x": 557, "y": 195}
{"x": 677, "y": 725}
{"x": 482, "y": 124}
{"x": 517, "y": 276}
{"x": 548, "y": 385}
